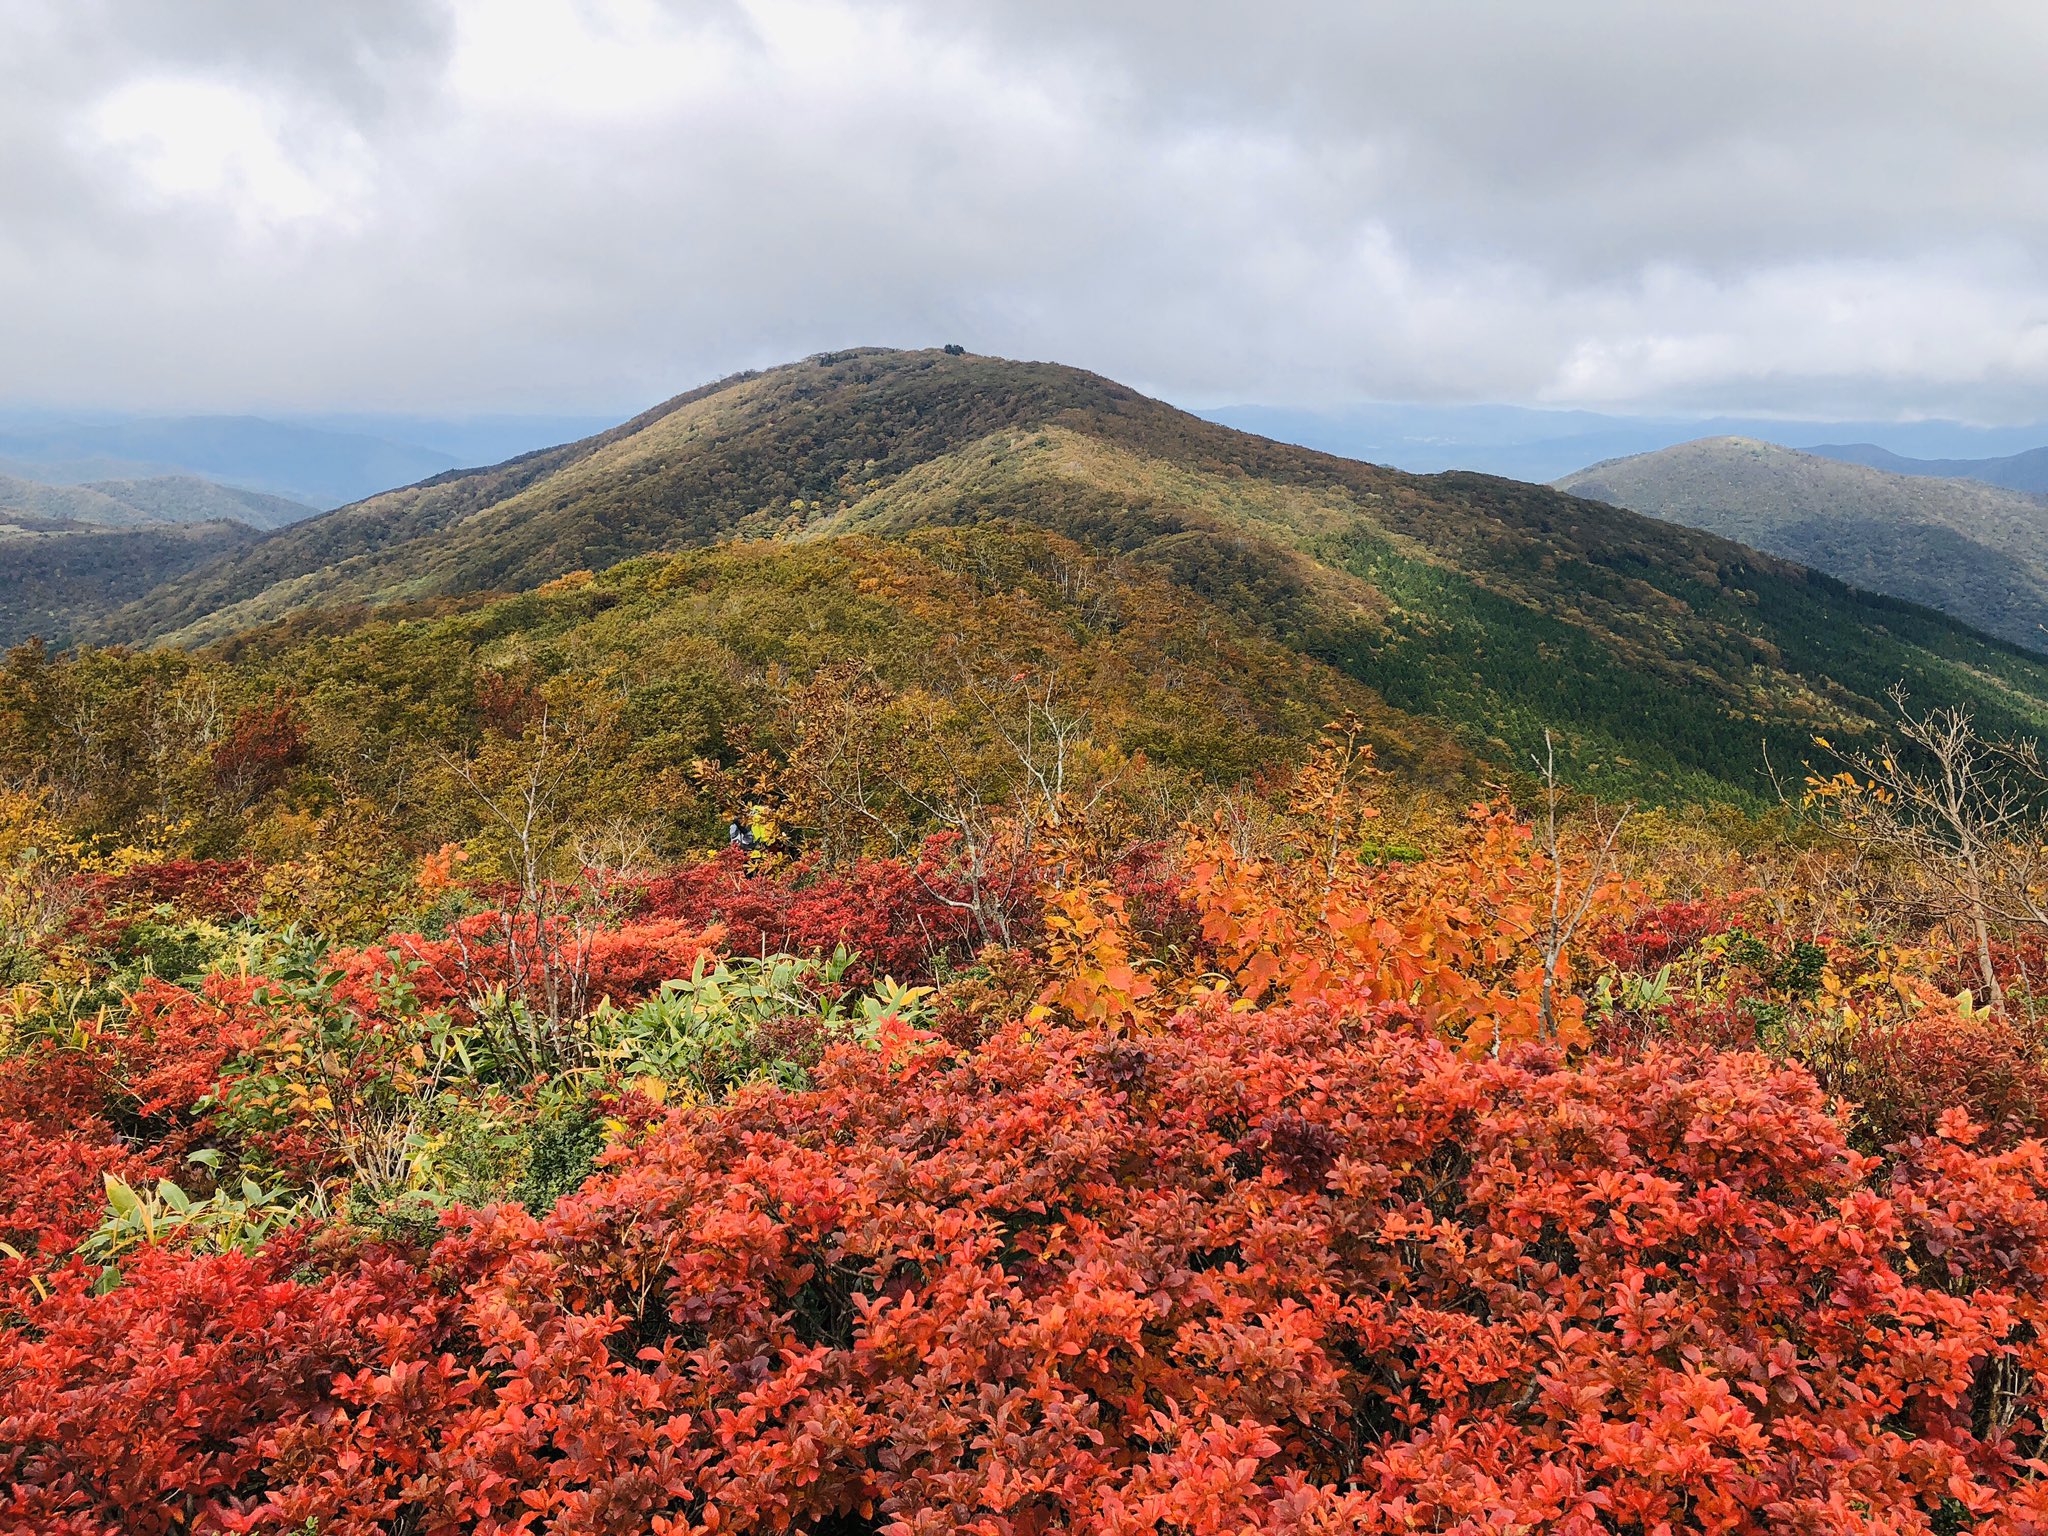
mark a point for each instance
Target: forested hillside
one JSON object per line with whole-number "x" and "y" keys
{"x": 57, "y": 575}
{"x": 687, "y": 685}
{"x": 152, "y": 502}
{"x": 1971, "y": 550}
{"x": 70, "y": 554}
{"x": 1492, "y": 607}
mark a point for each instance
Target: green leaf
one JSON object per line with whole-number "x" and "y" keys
{"x": 123, "y": 1199}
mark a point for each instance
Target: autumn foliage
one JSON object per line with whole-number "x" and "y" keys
{"x": 1312, "y": 1275}
{"x": 1306, "y": 1183}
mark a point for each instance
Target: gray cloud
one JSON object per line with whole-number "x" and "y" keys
{"x": 1832, "y": 208}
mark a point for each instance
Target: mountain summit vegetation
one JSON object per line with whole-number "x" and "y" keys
{"x": 1973, "y": 550}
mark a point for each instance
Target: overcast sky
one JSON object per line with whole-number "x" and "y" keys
{"x": 1810, "y": 208}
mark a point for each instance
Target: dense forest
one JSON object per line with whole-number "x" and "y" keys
{"x": 913, "y": 944}
{"x": 63, "y": 574}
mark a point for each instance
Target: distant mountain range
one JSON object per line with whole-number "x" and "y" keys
{"x": 1451, "y": 603}
{"x": 2026, "y": 471}
{"x": 96, "y": 513}
{"x": 1524, "y": 443}
{"x": 323, "y": 461}
{"x": 139, "y": 503}
{"x": 74, "y": 551}
{"x": 1969, "y": 548}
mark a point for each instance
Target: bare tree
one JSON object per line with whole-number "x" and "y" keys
{"x": 1961, "y": 812}
{"x": 546, "y": 942}
{"x": 989, "y": 751}
{"x": 1043, "y": 737}
{"x": 1570, "y": 898}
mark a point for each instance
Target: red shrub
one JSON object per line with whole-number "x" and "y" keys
{"x": 1904, "y": 1076}
{"x": 488, "y": 950}
{"x": 1661, "y": 934}
{"x": 1284, "y": 1274}
{"x": 2020, "y": 961}
{"x": 263, "y": 744}
{"x": 1156, "y": 898}
{"x": 56, "y": 1146}
{"x": 192, "y": 888}
{"x": 155, "y": 1400}
{"x": 896, "y": 916}
{"x": 507, "y": 705}
{"x": 169, "y": 1050}
{"x": 59, "y": 1107}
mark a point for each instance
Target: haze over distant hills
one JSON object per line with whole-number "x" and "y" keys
{"x": 2027, "y": 471}
{"x": 321, "y": 461}
{"x": 1466, "y": 603}
{"x": 1530, "y": 444}
{"x": 159, "y": 499}
{"x": 1970, "y": 549}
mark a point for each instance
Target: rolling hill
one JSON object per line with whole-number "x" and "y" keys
{"x": 1668, "y": 655}
{"x": 72, "y": 552}
{"x": 55, "y": 573}
{"x": 1972, "y": 550}
{"x": 318, "y": 466}
{"x": 1536, "y": 443}
{"x": 2026, "y": 472}
{"x": 153, "y": 501}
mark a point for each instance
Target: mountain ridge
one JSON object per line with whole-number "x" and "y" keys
{"x": 320, "y": 467}
{"x": 1496, "y": 607}
{"x": 2026, "y": 471}
{"x": 1975, "y": 551}
{"x": 155, "y": 500}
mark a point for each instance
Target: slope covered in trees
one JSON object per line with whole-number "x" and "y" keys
{"x": 1972, "y": 550}
{"x": 69, "y": 554}
{"x": 155, "y": 501}
{"x": 1489, "y": 606}
{"x": 59, "y": 575}
{"x": 686, "y": 686}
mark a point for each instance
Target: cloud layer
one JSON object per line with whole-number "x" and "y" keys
{"x": 1833, "y": 208}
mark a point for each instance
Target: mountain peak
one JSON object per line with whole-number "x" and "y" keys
{"x": 1972, "y": 549}
{"x": 1469, "y": 601}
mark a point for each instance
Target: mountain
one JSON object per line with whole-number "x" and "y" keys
{"x": 1972, "y": 550}
{"x": 1526, "y": 443}
{"x": 2027, "y": 472}
{"x": 56, "y": 572}
{"x": 163, "y": 499}
{"x": 70, "y": 553}
{"x": 320, "y": 467}
{"x": 1495, "y": 609}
